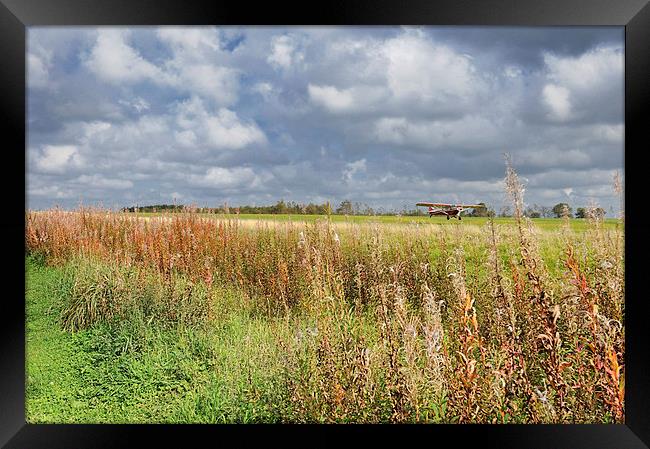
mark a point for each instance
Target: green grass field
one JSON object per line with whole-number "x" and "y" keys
{"x": 542, "y": 223}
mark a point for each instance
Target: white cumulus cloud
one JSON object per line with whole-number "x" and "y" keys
{"x": 190, "y": 40}
{"x": 420, "y": 70}
{"x": 353, "y": 168}
{"x": 221, "y": 130}
{"x": 58, "y": 159}
{"x": 226, "y": 131}
{"x": 285, "y": 52}
{"x": 589, "y": 85}
{"x": 212, "y": 81}
{"x": 331, "y": 98}
{"x": 225, "y": 178}
{"x": 113, "y": 60}
{"x": 556, "y": 99}
{"x": 595, "y": 69}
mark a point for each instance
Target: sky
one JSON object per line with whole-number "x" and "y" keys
{"x": 386, "y": 116}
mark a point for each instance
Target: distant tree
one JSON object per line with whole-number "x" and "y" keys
{"x": 546, "y": 211}
{"x": 597, "y": 213}
{"x": 532, "y": 212}
{"x": 345, "y": 208}
{"x": 311, "y": 209}
{"x": 480, "y": 211}
{"x": 581, "y": 212}
{"x": 280, "y": 208}
{"x": 561, "y": 209}
{"x": 505, "y": 211}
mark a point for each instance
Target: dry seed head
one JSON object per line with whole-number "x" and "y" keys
{"x": 514, "y": 188}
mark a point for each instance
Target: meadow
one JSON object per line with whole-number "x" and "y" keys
{"x": 542, "y": 223}
{"x": 193, "y": 318}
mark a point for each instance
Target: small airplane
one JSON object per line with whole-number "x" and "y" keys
{"x": 450, "y": 210}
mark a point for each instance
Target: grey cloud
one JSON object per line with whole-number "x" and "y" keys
{"x": 383, "y": 115}
{"x": 524, "y": 46}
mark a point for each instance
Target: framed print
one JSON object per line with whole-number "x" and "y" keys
{"x": 353, "y": 213}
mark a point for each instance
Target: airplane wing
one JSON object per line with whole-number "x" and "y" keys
{"x": 434, "y": 204}
{"x": 471, "y": 206}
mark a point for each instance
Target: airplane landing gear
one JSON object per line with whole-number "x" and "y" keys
{"x": 459, "y": 218}
{"x": 447, "y": 217}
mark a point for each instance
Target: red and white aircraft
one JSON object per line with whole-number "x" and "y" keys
{"x": 449, "y": 210}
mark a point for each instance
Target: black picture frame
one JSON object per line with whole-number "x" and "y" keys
{"x": 17, "y": 15}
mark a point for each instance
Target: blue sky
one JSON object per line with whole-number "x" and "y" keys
{"x": 386, "y": 116}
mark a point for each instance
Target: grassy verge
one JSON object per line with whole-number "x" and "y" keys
{"x": 132, "y": 370}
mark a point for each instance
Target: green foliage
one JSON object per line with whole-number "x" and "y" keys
{"x": 596, "y": 212}
{"x": 155, "y": 208}
{"x": 562, "y": 209}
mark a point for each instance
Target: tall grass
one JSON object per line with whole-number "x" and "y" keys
{"x": 375, "y": 323}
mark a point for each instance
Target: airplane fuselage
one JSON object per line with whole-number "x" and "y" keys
{"x": 448, "y": 210}
{"x": 452, "y": 212}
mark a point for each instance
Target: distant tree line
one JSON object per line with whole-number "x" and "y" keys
{"x": 558, "y": 211}
{"x": 347, "y": 207}
{"x": 154, "y": 208}
{"x": 279, "y": 208}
